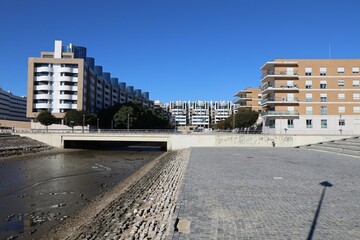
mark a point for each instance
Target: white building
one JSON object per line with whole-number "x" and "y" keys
{"x": 67, "y": 79}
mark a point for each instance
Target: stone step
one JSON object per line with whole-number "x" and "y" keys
{"x": 333, "y": 150}
{"x": 349, "y": 146}
{"x": 341, "y": 145}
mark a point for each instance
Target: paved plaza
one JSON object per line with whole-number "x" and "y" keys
{"x": 269, "y": 193}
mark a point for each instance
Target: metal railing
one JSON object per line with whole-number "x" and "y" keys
{"x": 280, "y": 113}
{"x": 279, "y": 73}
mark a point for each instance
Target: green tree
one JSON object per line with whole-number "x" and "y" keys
{"x": 123, "y": 116}
{"x": 74, "y": 118}
{"x": 245, "y": 118}
{"x": 46, "y": 119}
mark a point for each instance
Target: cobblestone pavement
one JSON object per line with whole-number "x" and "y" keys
{"x": 268, "y": 193}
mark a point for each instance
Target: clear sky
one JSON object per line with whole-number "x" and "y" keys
{"x": 178, "y": 49}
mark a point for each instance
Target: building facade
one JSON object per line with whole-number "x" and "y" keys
{"x": 311, "y": 96}
{"x": 249, "y": 98}
{"x": 67, "y": 79}
{"x": 200, "y": 114}
{"x": 12, "y": 107}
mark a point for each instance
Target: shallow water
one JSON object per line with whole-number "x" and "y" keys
{"x": 40, "y": 192}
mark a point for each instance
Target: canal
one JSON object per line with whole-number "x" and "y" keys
{"x": 40, "y": 191}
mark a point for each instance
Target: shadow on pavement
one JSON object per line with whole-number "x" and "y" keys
{"x": 325, "y": 184}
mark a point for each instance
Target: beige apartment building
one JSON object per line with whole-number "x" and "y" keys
{"x": 66, "y": 79}
{"x": 311, "y": 96}
{"x": 249, "y": 98}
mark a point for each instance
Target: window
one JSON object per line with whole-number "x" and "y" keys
{"x": 341, "y": 109}
{"x": 309, "y": 97}
{"x": 308, "y": 123}
{"x": 356, "y": 109}
{"x": 356, "y": 96}
{"x": 341, "y": 96}
{"x": 323, "y": 97}
{"x": 323, "y": 84}
{"x": 340, "y": 70}
{"x": 341, "y": 122}
{"x": 309, "y": 110}
{"x": 308, "y": 84}
{"x": 308, "y": 71}
{"x": 355, "y": 70}
{"x": 272, "y": 123}
{"x": 323, "y": 71}
{"x": 356, "y": 83}
{"x": 290, "y": 123}
{"x": 323, "y": 110}
{"x": 341, "y": 83}
{"x": 323, "y": 123}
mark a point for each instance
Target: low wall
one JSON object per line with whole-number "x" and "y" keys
{"x": 247, "y": 140}
{"x": 181, "y": 141}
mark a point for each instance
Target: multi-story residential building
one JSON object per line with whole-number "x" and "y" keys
{"x": 221, "y": 110}
{"x": 249, "y": 98}
{"x": 179, "y": 112}
{"x": 67, "y": 79}
{"x": 200, "y": 114}
{"x": 12, "y": 107}
{"x": 303, "y": 96}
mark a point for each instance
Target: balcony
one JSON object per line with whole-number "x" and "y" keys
{"x": 280, "y": 100}
{"x": 42, "y": 105}
{"x": 69, "y": 70}
{"x": 242, "y": 92}
{"x": 279, "y": 75}
{"x": 43, "y": 87}
{"x": 68, "y": 88}
{"x": 43, "y": 96}
{"x": 283, "y": 88}
{"x": 68, "y": 106}
{"x": 43, "y": 69}
{"x": 67, "y": 97}
{"x": 43, "y": 78}
{"x": 244, "y": 106}
{"x": 280, "y": 114}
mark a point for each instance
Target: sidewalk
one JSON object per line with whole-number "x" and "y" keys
{"x": 269, "y": 193}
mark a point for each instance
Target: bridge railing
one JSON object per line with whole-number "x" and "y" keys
{"x": 99, "y": 131}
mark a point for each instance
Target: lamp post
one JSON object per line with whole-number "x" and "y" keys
{"x": 72, "y": 125}
{"x": 128, "y": 122}
{"x": 340, "y": 123}
{"x": 83, "y": 123}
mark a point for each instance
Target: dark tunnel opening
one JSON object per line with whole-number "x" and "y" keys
{"x": 116, "y": 145}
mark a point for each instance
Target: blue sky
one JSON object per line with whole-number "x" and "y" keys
{"x": 178, "y": 49}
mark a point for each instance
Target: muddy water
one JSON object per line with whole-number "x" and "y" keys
{"x": 39, "y": 192}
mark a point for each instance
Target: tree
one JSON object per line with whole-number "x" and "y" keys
{"x": 74, "y": 118}
{"x": 245, "y": 118}
{"x": 46, "y": 119}
{"x": 122, "y": 117}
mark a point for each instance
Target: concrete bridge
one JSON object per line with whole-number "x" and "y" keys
{"x": 174, "y": 141}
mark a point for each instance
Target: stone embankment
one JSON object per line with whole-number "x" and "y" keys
{"x": 141, "y": 210}
{"x": 15, "y": 145}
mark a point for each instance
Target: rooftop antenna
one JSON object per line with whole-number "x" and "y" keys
{"x": 329, "y": 51}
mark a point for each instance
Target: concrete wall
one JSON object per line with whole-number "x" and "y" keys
{"x": 180, "y": 141}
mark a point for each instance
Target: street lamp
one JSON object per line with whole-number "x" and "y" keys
{"x": 72, "y": 123}
{"x": 340, "y": 123}
{"x": 83, "y": 123}
{"x": 128, "y": 122}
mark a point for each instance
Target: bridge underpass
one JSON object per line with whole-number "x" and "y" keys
{"x": 116, "y": 145}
